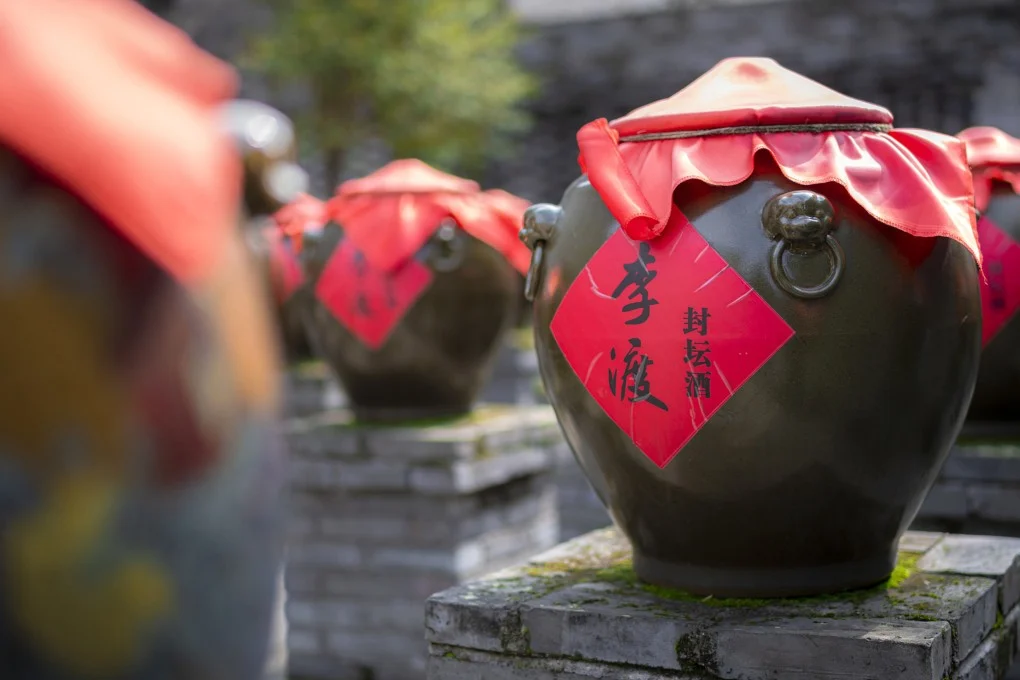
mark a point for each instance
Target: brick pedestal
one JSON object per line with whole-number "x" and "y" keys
{"x": 576, "y": 612}
{"x": 384, "y": 517}
{"x": 978, "y": 491}
{"x": 310, "y": 388}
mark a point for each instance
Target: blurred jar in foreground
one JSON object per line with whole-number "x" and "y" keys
{"x": 994, "y": 158}
{"x": 138, "y": 453}
{"x": 274, "y": 197}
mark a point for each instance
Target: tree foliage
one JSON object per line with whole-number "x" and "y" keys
{"x": 435, "y": 79}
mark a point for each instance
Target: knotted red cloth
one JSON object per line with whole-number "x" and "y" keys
{"x": 994, "y": 156}
{"x": 123, "y": 109}
{"x": 390, "y": 214}
{"x": 914, "y": 180}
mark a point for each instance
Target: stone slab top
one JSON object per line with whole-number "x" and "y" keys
{"x": 950, "y": 600}
{"x": 491, "y": 446}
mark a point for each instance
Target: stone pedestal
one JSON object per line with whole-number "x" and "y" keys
{"x": 384, "y": 517}
{"x": 310, "y": 388}
{"x": 949, "y": 611}
{"x": 978, "y": 491}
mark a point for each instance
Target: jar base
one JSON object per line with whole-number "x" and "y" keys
{"x": 990, "y": 429}
{"x": 406, "y": 416}
{"x": 764, "y": 583}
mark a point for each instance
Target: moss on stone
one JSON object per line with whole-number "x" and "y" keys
{"x": 623, "y": 573}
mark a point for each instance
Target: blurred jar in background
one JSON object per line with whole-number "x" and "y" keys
{"x": 139, "y": 461}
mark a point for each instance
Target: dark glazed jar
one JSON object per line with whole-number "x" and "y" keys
{"x": 759, "y": 377}
{"x": 139, "y": 471}
{"x": 995, "y": 159}
{"x": 273, "y": 181}
{"x": 412, "y": 287}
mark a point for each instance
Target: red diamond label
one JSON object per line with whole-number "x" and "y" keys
{"x": 283, "y": 265}
{"x": 368, "y": 301}
{"x": 663, "y": 333}
{"x": 1000, "y": 287}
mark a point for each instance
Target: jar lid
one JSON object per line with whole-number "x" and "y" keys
{"x": 123, "y": 109}
{"x": 750, "y": 92}
{"x": 916, "y": 181}
{"x": 390, "y": 214}
{"x": 408, "y": 176}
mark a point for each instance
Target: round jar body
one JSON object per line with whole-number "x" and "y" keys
{"x": 287, "y": 312}
{"x": 996, "y": 404}
{"x": 438, "y": 356}
{"x": 806, "y": 477}
{"x": 140, "y": 460}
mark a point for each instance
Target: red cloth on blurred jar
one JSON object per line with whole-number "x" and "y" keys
{"x": 914, "y": 180}
{"x": 123, "y": 109}
{"x": 390, "y": 214}
{"x": 303, "y": 214}
{"x": 994, "y": 156}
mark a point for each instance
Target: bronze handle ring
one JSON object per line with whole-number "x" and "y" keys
{"x": 448, "y": 248}
{"x": 802, "y": 222}
{"x": 837, "y": 264}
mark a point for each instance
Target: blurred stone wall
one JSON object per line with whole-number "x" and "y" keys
{"x": 939, "y": 64}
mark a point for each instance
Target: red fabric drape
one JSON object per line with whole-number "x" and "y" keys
{"x": 914, "y": 180}
{"x": 302, "y": 214}
{"x": 994, "y": 156}
{"x": 124, "y": 109}
{"x": 390, "y": 214}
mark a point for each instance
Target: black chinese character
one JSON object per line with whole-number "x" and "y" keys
{"x": 696, "y": 321}
{"x": 359, "y": 263}
{"x": 638, "y": 275}
{"x": 636, "y": 372}
{"x": 699, "y": 384}
{"x": 697, "y": 353}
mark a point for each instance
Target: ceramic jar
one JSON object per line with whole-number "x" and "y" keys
{"x": 139, "y": 470}
{"x": 758, "y": 373}
{"x": 995, "y": 159}
{"x": 414, "y": 286}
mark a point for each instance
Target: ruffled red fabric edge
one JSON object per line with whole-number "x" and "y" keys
{"x": 913, "y": 180}
{"x": 389, "y": 228}
{"x": 995, "y": 157}
{"x": 124, "y": 110}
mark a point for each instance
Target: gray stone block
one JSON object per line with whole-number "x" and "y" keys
{"x": 945, "y": 500}
{"x": 578, "y": 611}
{"x": 384, "y": 517}
{"x": 996, "y": 655}
{"x": 991, "y": 556}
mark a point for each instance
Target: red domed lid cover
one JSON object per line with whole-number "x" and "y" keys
{"x": 994, "y": 156}
{"x": 124, "y": 109}
{"x": 390, "y": 214}
{"x": 914, "y": 180}
{"x": 302, "y": 214}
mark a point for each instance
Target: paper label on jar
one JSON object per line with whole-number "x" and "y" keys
{"x": 284, "y": 265}
{"x": 368, "y": 301}
{"x": 662, "y": 333}
{"x": 1000, "y": 287}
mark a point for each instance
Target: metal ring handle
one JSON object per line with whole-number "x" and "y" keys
{"x": 534, "y": 272}
{"x": 448, "y": 249}
{"x": 837, "y": 264}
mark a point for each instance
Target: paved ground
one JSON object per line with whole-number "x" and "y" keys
{"x": 276, "y": 668}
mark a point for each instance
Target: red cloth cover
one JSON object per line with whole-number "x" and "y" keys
{"x": 914, "y": 180}
{"x": 994, "y": 156}
{"x": 123, "y": 109}
{"x": 302, "y": 214}
{"x": 390, "y": 214}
